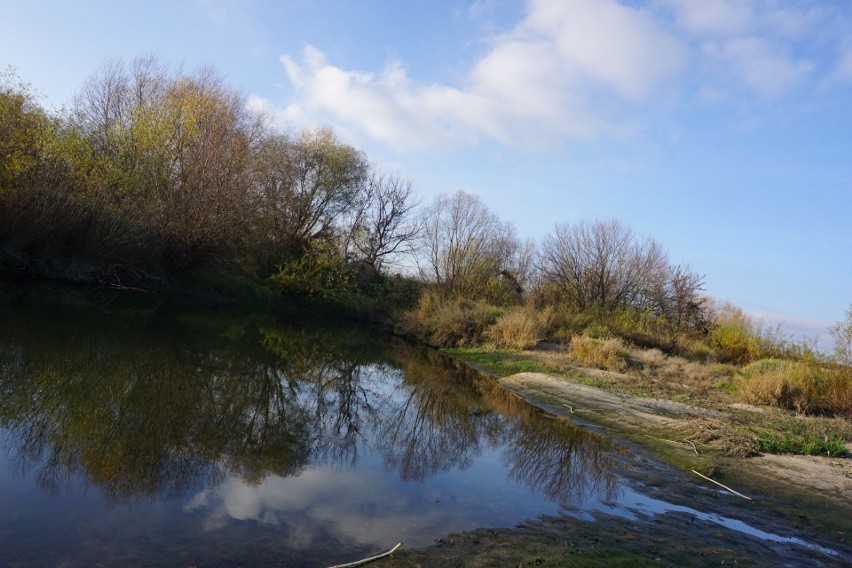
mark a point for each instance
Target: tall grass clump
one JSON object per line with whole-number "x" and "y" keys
{"x": 803, "y": 387}
{"x": 444, "y": 322}
{"x": 605, "y": 354}
{"x": 520, "y": 327}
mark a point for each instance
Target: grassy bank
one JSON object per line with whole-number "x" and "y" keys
{"x": 747, "y": 429}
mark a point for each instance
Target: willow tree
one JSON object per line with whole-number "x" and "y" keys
{"x": 175, "y": 152}
{"x": 195, "y": 147}
{"x": 308, "y": 184}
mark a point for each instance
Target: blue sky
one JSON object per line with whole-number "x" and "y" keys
{"x": 720, "y": 127}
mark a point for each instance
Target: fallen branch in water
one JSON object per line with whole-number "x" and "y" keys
{"x": 367, "y": 560}
{"x": 725, "y": 487}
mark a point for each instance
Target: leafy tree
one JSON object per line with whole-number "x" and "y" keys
{"x": 308, "y": 183}
{"x": 28, "y": 136}
{"x": 176, "y": 151}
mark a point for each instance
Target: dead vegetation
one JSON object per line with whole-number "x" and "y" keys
{"x": 708, "y": 434}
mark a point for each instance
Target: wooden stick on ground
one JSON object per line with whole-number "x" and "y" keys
{"x": 367, "y": 560}
{"x": 725, "y": 487}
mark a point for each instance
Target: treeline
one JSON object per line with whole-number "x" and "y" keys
{"x": 158, "y": 179}
{"x": 152, "y": 175}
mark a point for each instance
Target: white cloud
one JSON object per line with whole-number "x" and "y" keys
{"x": 572, "y": 69}
{"x": 718, "y": 18}
{"x": 624, "y": 49}
{"x": 535, "y": 82}
{"x": 346, "y": 505}
{"x": 757, "y": 64}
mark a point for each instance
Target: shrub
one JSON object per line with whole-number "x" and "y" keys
{"x": 519, "y": 328}
{"x": 642, "y": 328}
{"x": 601, "y": 353}
{"x": 319, "y": 272}
{"x": 735, "y": 343}
{"x": 596, "y": 331}
{"x": 450, "y": 323}
{"x": 737, "y": 339}
{"x": 697, "y": 351}
{"x": 782, "y": 387}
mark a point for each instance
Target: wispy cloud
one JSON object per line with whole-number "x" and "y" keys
{"x": 574, "y": 69}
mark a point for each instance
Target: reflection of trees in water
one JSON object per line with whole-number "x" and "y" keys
{"x": 142, "y": 407}
{"x": 551, "y": 455}
{"x": 558, "y": 459}
{"x": 144, "y": 414}
{"x": 435, "y": 422}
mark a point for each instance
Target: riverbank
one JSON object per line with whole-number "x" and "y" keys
{"x": 799, "y": 512}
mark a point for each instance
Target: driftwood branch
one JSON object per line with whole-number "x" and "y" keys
{"x": 725, "y": 487}
{"x": 367, "y": 560}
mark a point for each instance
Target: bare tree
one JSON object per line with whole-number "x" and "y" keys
{"x": 675, "y": 296}
{"x": 600, "y": 264}
{"x": 842, "y": 334}
{"x": 467, "y": 245}
{"x": 385, "y": 225}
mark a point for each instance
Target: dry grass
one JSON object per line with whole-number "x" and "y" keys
{"x": 448, "y": 323}
{"x": 806, "y": 388}
{"x": 518, "y": 328}
{"x": 608, "y": 354}
{"x": 719, "y": 437}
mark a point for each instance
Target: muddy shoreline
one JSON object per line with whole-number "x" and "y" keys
{"x": 805, "y": 503}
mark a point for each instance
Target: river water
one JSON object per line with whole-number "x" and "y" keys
{"x": 138, "y": 433}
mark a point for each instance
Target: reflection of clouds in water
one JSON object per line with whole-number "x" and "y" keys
{"x": 351, "y": 506}
{"x": 371, "y": 506}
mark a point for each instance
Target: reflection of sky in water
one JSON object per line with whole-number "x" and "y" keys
{"x": 371, "y": 505}
{"x": 326, "y": 513}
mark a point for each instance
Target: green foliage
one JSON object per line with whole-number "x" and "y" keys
{"x": 597, "y": 331}
{"x": 696, "y": 351}
{"x": 737, "y": 339}
{"x": 319, "y": 272}
{"x": 735, "y": 344}
{"x": 500, "y": 363}
{"x": 809, "y": 446}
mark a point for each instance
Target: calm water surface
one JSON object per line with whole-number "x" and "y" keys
{"x": 138, "y": 434}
